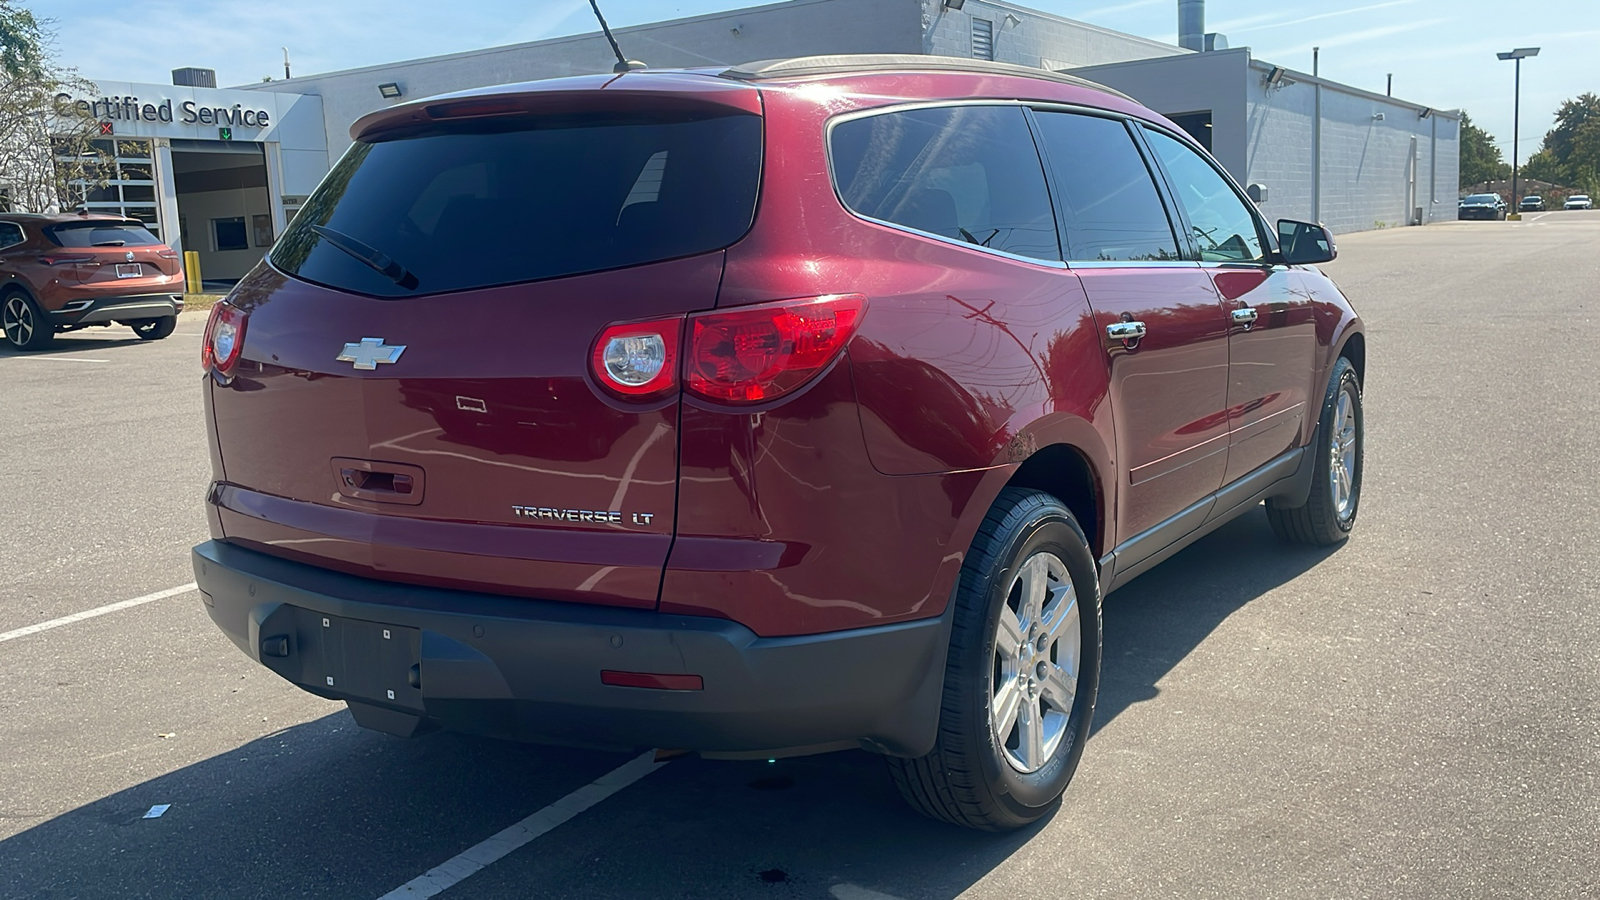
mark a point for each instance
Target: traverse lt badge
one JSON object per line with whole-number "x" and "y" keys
{"x": 371, "y": 351}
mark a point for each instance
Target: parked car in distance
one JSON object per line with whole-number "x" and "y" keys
{"x": 1482, "y": 206}
{"x": 65, "y": 272}
{"x": 1531, "y": 203}
{"x": 808, "y": 405}
{"x": 1578, "y": 201}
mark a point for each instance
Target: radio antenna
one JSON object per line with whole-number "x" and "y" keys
{"x": 623, "y": 64}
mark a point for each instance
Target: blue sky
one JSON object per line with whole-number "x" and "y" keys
{"x": 1440, "y": 51}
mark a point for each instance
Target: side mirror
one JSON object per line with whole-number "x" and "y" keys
{"x": 1305, "y": 243}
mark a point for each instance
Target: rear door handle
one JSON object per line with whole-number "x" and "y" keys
{"x": 1126, "y": 331}
{"x": 1245, "y": 317}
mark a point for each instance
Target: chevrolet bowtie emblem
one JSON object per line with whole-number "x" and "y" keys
{"x": 371, "y": 351}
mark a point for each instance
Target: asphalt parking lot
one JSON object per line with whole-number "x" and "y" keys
{"x": 1414, "y": 714}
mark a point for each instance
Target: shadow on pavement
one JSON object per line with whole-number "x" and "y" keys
{"x": 84, "y": 342}
{"x": 1163, "y": 615}
{"x": 326, "y": 809}
{"x": 323, "y": 809}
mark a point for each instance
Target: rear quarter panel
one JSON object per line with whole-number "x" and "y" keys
{"x": 856, "y": 513}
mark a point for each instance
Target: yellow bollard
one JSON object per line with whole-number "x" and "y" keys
{"x": 191, "y": 270}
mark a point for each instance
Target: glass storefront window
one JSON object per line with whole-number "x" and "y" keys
{"x": 124, "y": 167}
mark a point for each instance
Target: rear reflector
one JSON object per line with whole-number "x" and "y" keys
{"x": 648, "y": 680}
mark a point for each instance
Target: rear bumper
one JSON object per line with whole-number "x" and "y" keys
{"x": 105, "y": 310}
{"x": 531, "y": 670}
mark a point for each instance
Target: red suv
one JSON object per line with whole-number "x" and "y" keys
{"x": 806, "y": 405}
{"x": 65, "y": 272}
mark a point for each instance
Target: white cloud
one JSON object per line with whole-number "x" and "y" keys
{"x": 1090, "y": 15}
{"x": 1245, "y": 26}
{"x": 1351, "y": 37}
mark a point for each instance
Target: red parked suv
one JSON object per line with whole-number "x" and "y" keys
{"x": 65, "y": 272}
{"x": 805, "y": 405}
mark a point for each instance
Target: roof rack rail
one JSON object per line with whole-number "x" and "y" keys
{"x": 802, "y": 66}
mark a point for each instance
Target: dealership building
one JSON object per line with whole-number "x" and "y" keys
{"x": 220, "y": 171}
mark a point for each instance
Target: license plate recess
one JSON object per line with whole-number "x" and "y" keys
{"x": 347, "y": 659}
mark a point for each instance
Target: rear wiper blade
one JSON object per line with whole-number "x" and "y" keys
{"x": 108, "y": 243}
{"x": 370, "y": 255}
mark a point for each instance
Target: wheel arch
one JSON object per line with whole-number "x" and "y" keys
{"x": 17, "y": 284}
{"x": 1063, "y": 455}
{"x": 1354, "y": 349}
{"x": 1065, "y": 472}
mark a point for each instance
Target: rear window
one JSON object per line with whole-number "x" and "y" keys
{"x": 90, "y": 233}
{"x": 503, "y": 201}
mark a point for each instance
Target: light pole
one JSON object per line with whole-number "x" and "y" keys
{"x": 1516, "y": 115}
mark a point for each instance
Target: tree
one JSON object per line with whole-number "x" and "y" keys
{"x": 1571, "y": 150}
{"x": 49, "y": 157}
{"x": 1565, "y": 139}
{"x": 1480, "y": 158}
{"x": 1542, "y": 166}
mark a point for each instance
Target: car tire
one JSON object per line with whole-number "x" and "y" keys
{"x": 155, "y": 329}
{"x": 1329, "y": 514}
{"x": 26, "y": 326}
{"x": 980, "y": 773}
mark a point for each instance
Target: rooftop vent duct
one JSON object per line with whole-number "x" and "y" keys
{"x": 192, "y": 77}
{"x": 1192, "y": 24}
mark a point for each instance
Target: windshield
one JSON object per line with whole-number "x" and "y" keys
{"x": 1482, "y": 198}
{"x": 502, "y": 201}
{"x": 92, "y": 233}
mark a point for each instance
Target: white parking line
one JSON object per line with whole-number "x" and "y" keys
{"x": 474, "y": 859}
{"x": 62, "y": 359}
{"x": 98, "y": 611}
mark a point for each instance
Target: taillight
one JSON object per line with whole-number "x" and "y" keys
{"x": 753, "y": 354}
{"x": 750, "y": 354}
{"x": 167, "y": 253}
{"x": 639, "y": 360}
{"x": 219, "y": 349}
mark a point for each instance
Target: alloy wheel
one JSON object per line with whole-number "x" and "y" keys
{"x": 1342, "y": 455}
{"x": 1037, "y": 650}
{"x": 17, "y": 321}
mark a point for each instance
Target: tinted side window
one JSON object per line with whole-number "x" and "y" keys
{"x": 968, "y": 173}
{"x": 1111, "y": 207}
{"x": 10, "y": 234}
{"x": 1223, "y": 225}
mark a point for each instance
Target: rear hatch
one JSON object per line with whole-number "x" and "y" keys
{"x": 416, "y": 397}
{"x": 112, "y": 254}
